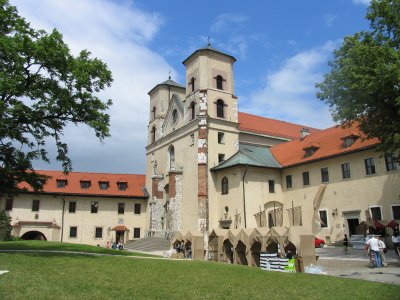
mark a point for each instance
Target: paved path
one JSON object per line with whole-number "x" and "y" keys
{"x": 334, "y": 262}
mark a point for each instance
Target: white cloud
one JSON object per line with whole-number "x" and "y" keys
{"x": 329, "y": 19}
{"x": 289, "y": 92}
{"x": 228, "y": 22}
{"x": 118, "y": 34}
{"x": 362, "y": 2}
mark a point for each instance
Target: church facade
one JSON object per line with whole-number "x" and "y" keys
{"x": 210, "y": 166}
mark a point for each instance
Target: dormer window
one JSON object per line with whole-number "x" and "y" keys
{"x": 103, "y": 185}
{"x": 61, "y": 183}
{"x": 85, "y": 184}
{"x": 122, "y": 186}
{"x": 310, "y": 150}
{"x": 349, "y": 140}
{"x": 219, "y": 79}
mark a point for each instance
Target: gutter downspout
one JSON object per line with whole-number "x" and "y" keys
{"x": 62, "y": 219}
{"x": 244, "y": 197}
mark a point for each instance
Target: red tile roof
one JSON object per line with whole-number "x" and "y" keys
{"x": 329, "y": 141}
{"x": 271, "y": 127}
{"x": 135, "y": 184}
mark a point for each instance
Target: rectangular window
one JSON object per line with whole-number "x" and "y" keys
{"x": 121, "y": 208}
{"x": 346, "y": 174}
{"x": 122, "y": 186}
{"x": 73, "y": 232}
{"x": 323, "y": 215}
{"x": 99, "y": 233}
{"x": 306, "y": 178}
{"x": 396, "y": 212}
{"x": 136, "y": 233}
{"x": 390, "y": 162}
{"x": 137, "y": 209}
{"x": 35, "y": 205}
{"x": 103, "y": 185}
{"x": 9, "y": 203}
{"x": 376, "y": 213}
{"x": 72, "y": 207}
{"x": 221, "y": 138}
{"x": 192, "y": 139}
{"x": 271, "y": 186}
{"x": 289, "y": 181}
{"x": 221, "y": 158}
{"x": 94, "y": 206}
{"x": 85, "y": 184}
{"x": 61, "y": 183}
{"x": 324, "y": 175}
{"x": 369, "y": 166}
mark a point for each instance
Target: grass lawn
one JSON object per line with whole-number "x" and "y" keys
{"x": 71, "y": 276}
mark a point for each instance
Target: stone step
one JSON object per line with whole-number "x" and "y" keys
{"x": 149, "y": 244}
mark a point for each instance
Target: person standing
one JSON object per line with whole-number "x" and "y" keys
{"x": 382, "y": 249}
{"x": 373, "y": 244}
{"x": 345, "y": 244}
{"x": 396, "y": 242}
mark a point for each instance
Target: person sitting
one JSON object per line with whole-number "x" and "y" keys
{"x": 114, "y": 246}
{"x": 120, "y": 246}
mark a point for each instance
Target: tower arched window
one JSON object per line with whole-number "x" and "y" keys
{"x": 154, "y": 112}
{"x": 171, "y": 154}
{"x": 219, "y": 80}
{"x": 192, "y": 109}
{"x": 153, "y": 134}
{"x": 220, "y": 108}
{"x": 224, "y": 186}
{"x": 192, "y": 83}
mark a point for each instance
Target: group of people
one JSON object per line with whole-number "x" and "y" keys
{"x": 376, "y": 249}
{"x": 180, "y": 248}
{"x": 118, "y": 246}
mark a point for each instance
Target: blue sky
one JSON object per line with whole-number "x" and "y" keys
{"x": 282, "y": 49}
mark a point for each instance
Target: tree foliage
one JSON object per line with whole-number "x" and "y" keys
{"x": 5, "y": 226}
{"x": 364, "y": 82}
{"x": 43, "y": 88}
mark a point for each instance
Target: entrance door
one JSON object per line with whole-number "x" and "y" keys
{"x": 119, "y": 236}
{"x": 353, "y": 223}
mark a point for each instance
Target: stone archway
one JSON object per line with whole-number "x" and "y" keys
{"x": 228, "y": 251}
{"x": 34, "y": 235}
{"x": 272, "y": 247}
{"x": 255, "y": 254}
{"x": 241, "y": 253}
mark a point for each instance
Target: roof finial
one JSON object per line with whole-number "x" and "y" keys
{"x": 169, "y": 75}
{"x": 208, "y": 42}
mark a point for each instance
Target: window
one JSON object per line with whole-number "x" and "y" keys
{"x": 346, "y": 174}
{"x": 121, "y": 208}
{"x": 192, "y": 109}
{"x": 309, "y": 151}
{"x": 221, "y": 138}
{"x": 224, "y": 186}
{"x": 219, "y": 80}
{"x": 324, "y": 175}
{"x": 390, "y": 162}
{"x": 221, "y": 158}
{"x": 99, "y": 233}
{"x": 154, "y": 112}
{"x": 171, "y": 154}
{"x": 220, "y": 109}
{"x": 103, "y": 185}
{"x": 73, "y": 232}
{"x": 35, "y": 205}
{"x": 192, "y": 83}
{"x": 72, "y": 207}
{"x": 324, "y": 218}
{"x": 85, "y": 184}
{"x": 289, "y": 181}
{"x": 9, "y": 203}
{"x": 137, "y": 209}
{"x": 122, "y": 186}
{"x": 174, "y": 116}
{"x": 369, "y": 166}
{"x": 306, "y": 178}
{"x": 271, "y": 186}
{"x": 136, "y": 233}
{"x": 348, "y": 142}
{"x": 61, "y": 183}
{"x": 396, "y": 212}
{"x": 153, "y": 134}
{"x": 376, "y": 213}
{"x": 94, "y": 207}
{"x": 192, "y": 139}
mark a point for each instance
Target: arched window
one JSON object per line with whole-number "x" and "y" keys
{"x": 219, "y": 80}
{"x": 175, "y": 116}
{"x": 224, "y": 186}
{"x": 171, "y": 156}
{"x": 192, "y": 109}
{"x": 192, "y": 83}
{"x": 154, "y": 112}
{"x": 153, "y": 134}
{"x": 220, "y": 108}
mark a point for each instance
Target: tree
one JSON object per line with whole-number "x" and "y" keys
{"x": 364, "y": 82}
{"x": 5, "y": 227}
{"x": 43, "y": 88}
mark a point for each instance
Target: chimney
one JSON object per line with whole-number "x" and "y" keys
{"x": 304, "y": 132}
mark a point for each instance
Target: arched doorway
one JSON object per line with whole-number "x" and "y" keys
{"x": 255, "y": 254}
{"x": 228, "y": 251}
{"x": 272, "y": 248}
{"x": 290, "y": 250}
{"x": 34, "y": 235}
{"x": 241, "y": 253}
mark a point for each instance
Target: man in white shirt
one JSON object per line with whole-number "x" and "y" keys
{"x": 373, "y": 244}
{"x": 396, "y": 242}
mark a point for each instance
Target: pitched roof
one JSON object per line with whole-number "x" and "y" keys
{"x": 208, "y": 49}
{"x": 168, "y": 82}
{"x": 271, "y": 127}
{"x": 250, "y": 155}
{"x": 330, "y": 143}
{"x": 135, "y": 184}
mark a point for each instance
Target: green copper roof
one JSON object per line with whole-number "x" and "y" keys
{"x": 169, "y": 82}
{"x": 251, "y": 156}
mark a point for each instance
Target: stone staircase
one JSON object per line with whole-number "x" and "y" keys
{"x": 149, "y": 244}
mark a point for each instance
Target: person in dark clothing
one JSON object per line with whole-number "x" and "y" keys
{"x": 345, "y": 244}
